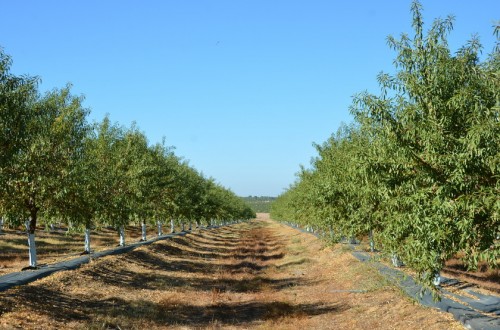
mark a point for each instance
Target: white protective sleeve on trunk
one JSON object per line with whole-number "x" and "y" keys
{"x": 32, "y": 250}
{"x": 437, "y": 279}
{"x": 158, "y": 223}
{"x": 396, "y": 261}
{"x": 144, "y": 232}
{"x": 372, "y": 242}
{"x": 87, "y": 240}
{"x": 122, "y": 236}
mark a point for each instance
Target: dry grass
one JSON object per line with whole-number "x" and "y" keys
{"x": 259, "y": 275}
{"x": 58, "y": 245}
{"x": 485, "y": 279}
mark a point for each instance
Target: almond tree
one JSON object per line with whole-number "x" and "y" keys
{"x": 84, "y": 199}
{"x": 162, "y": 188}
{"x": 111, "y": 155}
{"x": 45, "y": 157}
{"x": 16, "y": 95}
{"x": 138, "y": 171}
{"x": 421, "y": 167}
{"x": 442, "y": 113}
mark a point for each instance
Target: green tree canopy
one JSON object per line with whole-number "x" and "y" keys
{"x": 421, "y": 165}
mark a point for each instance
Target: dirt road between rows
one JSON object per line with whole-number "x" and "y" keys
{"x": 256, "y": 275}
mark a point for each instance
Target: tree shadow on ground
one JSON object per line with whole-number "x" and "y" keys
{"x": 151, "y": 261}
{"x": 265, "y": 243}
{"x": 204, "y": 247}
{"x": 489, "y": 281}
{"x": 216, "y": 241}
{"x": 258, "y": 250}
{"x": 9, "y": 253}
{"x": 257, "y": 253}
{"x": 212, "y": 243}
{"x": 241, "y": 313}
{"x": 65, "y": 308}
{"x": 243, "y": 243}
{"x": 15, "y": 241}
{"x": 164, "y": 248}
{"x": 259, "y": 257}
{"x": 110, "y": 275}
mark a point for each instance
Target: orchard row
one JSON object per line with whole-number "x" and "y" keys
{"x": 418, "y": 171}
{"x": 56, "y": 167}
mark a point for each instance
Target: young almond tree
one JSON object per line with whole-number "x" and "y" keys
{"x": 124, "y": 155}
{"x": 111, "y": 156}
{"x": 45, "y": 157}
{"x": 162, "y": 184}
{"x": 138, "y": 171}
{"x": 441, "y": 112}
{"x": 82, "y": 199}
{"x": 16, "y": 95}
{"x": 190, "y": 193}
{"x": 421, "y": 166}
{"x": 150, "y": 175}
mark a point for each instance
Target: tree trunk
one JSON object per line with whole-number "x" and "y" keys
{"x": 31, "y": 227}
{"x": 32, "y": 250}
{"x": 437, "y": 274}
{"x": 1, "y": 224}
{"x": 190, "y": 226}
{"x": 172, "y": 226}
{"x": 437, "y": 278}
{"x": 372, "y": 243}
{"x": 87, "y": 240}
{"x": 396, "y": 262}
{"x": 182, "y": 226}
{"x": 144, "y": 233}
{"x": 160, "y": 232}
{"x": 121, "y": 231}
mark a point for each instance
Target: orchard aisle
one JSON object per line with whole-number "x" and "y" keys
{"x": 258, "y": 275}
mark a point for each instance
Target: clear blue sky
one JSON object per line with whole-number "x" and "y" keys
{"x": 241, "y": 88}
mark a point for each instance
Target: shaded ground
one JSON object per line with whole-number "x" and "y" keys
{"x": 58, "y": 245}
{"x": 258, "y": 275}
{"x": 485, "y": 279}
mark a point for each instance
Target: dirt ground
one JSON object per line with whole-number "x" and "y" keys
{"x": 485, "y": 279}
{"x": 59, "y": 245}
{"x": 256, "y": 275}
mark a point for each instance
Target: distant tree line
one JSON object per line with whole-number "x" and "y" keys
{"x": 55, "y": 166}
{"x": 259, "y": 204}
{"x": 418, "y": 171}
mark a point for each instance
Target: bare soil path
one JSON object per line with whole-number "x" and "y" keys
{"x": 256, "y": 275}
